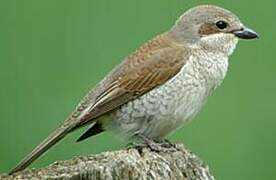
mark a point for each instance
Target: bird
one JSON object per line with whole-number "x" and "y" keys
{"x": 160, "y": 86}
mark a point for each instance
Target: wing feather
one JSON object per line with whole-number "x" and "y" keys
{"x": 149, "y": 67}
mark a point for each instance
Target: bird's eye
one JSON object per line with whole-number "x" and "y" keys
{"x": 221, "y": 24}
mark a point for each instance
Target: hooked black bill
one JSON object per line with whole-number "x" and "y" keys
{"x": 245, "y": 33}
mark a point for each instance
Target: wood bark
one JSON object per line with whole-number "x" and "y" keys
{"x": 176, "y": 163}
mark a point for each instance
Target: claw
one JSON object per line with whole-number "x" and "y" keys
{"x": 156, "y": 146}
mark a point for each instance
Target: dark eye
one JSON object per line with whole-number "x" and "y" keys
{"x": 221, "y": 24}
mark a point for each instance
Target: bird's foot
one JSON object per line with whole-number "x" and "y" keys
{"x": 167, "y": 144}
{"x": 152, "y": 146}
{"x": 156, "y": 146}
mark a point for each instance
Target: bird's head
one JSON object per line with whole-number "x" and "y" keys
{"x": 211, "y": 27}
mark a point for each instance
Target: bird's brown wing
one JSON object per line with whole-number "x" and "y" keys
{"x": 150, "y": 66}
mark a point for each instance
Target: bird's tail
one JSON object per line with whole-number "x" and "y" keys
{"x": 50, "y": 141}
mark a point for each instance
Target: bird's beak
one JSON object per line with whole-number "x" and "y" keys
{"x": 245, "y": 33}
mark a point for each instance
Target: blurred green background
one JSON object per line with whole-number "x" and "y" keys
{"x": 52, "y": 52}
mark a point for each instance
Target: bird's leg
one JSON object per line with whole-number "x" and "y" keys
{"x": 140, "y": 141}
{"x": 150, "y": 143}
{"x": 167, "y": 144}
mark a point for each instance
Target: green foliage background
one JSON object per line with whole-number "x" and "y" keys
{"x": 52, "y": 52}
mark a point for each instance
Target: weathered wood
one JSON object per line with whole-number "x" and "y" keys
{"x": 124, "y": 164}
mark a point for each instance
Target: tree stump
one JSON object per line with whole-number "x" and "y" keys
{"x": 124, "y": 164}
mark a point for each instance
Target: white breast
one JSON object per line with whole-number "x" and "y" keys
{"x": 167, "y": 107}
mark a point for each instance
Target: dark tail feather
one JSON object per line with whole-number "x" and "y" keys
{"x": 50, "y": 141}
{"x": 95, "y": 129}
